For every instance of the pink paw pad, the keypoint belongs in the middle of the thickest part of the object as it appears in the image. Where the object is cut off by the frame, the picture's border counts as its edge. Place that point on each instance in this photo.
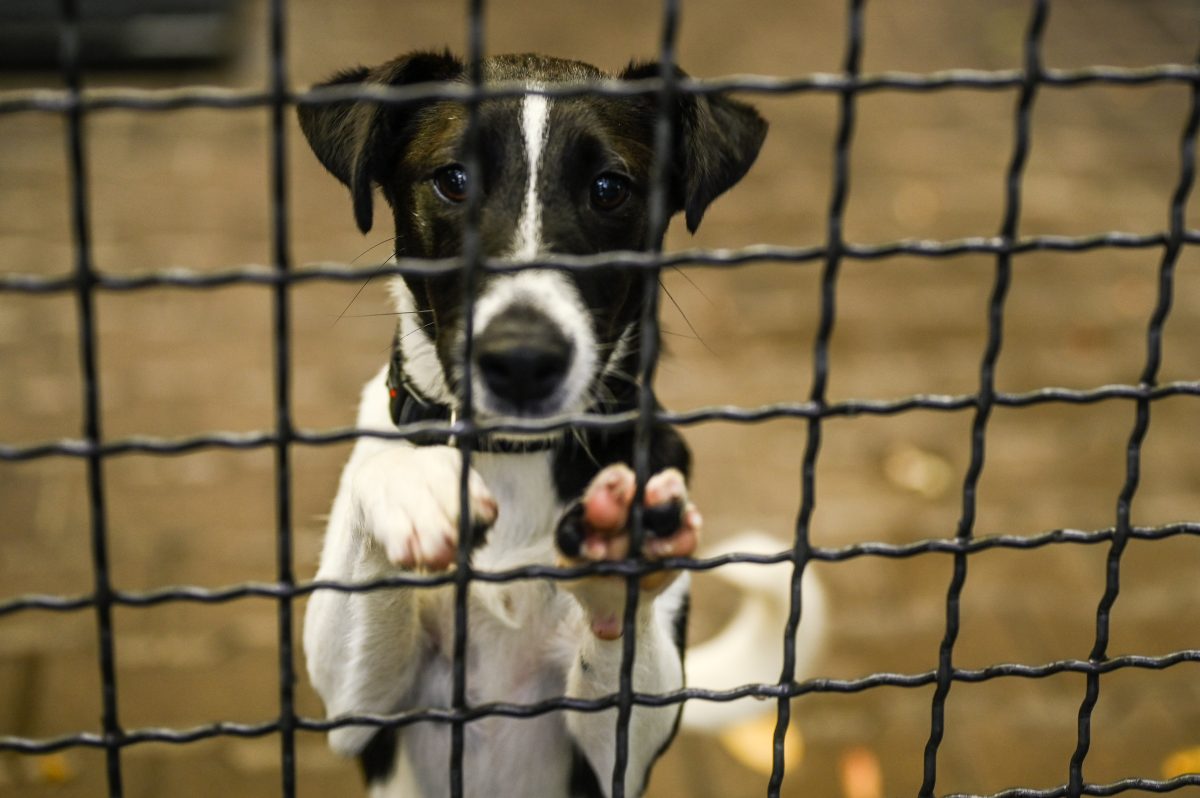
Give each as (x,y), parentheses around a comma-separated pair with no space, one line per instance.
(597,528)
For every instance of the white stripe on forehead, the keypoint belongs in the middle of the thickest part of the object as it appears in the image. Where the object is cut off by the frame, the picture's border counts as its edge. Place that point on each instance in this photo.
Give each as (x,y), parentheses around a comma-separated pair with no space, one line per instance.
(535,117)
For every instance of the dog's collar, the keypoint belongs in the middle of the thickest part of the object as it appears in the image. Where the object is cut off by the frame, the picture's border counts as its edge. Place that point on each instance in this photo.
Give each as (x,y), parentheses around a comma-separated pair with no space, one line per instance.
(409,406)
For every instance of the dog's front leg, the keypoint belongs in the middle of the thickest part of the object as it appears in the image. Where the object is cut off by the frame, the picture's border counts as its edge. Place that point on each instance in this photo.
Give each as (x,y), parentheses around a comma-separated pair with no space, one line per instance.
(598,531)
(396,511)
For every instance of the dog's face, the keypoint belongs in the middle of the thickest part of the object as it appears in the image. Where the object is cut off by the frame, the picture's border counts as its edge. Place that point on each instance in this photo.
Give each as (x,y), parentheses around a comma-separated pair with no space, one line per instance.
(557,176)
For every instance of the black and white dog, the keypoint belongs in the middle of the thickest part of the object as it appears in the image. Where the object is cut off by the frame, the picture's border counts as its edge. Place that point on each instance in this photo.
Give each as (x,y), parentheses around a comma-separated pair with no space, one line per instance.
(558,176)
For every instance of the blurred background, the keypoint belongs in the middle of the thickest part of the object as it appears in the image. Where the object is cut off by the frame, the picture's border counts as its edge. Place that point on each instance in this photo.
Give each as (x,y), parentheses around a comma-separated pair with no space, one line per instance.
(190,189)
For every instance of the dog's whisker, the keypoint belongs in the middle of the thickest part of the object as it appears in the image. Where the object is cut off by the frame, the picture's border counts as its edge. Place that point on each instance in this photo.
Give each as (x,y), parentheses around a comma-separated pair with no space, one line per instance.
(604,351)
(366,282)
(677,334)
(417,330)
(373,315)
(621,374)
(372,248)
(602,393)
(694,284)
(686,320)
(577,434)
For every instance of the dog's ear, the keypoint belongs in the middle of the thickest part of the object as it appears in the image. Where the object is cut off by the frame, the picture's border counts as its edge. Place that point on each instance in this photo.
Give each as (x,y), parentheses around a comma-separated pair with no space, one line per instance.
(717,140)
(357,140)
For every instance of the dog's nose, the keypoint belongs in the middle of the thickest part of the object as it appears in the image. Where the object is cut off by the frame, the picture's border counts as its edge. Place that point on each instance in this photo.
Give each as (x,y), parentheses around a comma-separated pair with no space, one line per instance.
(523,357)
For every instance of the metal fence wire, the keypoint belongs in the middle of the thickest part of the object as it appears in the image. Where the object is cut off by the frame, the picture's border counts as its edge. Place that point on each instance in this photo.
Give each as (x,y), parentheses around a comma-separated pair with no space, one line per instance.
(85,281)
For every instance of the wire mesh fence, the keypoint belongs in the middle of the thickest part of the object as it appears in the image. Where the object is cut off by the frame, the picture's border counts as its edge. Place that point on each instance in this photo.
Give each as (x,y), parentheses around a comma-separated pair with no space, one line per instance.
(848,87)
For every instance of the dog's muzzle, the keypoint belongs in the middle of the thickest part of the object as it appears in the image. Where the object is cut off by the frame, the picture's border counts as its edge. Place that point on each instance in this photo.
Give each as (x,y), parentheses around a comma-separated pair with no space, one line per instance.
(523,358)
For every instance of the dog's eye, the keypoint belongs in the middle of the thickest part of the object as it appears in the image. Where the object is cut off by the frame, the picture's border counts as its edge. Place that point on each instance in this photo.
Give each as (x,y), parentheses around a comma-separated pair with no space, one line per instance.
(451,183)
(609,191)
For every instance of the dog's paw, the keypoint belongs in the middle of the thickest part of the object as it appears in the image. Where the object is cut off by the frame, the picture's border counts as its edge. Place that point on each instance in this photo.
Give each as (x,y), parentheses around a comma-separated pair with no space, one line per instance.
(408,499)
(596,528)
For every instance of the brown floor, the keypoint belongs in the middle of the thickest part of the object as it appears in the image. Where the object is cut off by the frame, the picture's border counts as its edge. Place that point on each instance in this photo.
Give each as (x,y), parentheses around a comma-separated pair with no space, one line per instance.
(190,189)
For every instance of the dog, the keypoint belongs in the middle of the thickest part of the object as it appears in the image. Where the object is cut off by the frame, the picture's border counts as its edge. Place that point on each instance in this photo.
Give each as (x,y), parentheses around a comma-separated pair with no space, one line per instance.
(559,175)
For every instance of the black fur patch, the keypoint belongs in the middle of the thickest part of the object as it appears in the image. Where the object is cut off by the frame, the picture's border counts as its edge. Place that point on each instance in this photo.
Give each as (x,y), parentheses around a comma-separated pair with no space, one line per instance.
(679,625)
(378,759)
(584,783)
(576,463)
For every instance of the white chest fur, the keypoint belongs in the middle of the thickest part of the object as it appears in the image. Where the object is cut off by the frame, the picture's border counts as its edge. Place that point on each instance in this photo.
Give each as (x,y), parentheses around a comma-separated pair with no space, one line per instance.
(519,650)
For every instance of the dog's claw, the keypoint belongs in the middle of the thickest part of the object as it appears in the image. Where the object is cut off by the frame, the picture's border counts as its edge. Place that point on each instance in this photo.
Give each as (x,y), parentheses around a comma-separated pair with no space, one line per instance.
(663,520)
(570,532)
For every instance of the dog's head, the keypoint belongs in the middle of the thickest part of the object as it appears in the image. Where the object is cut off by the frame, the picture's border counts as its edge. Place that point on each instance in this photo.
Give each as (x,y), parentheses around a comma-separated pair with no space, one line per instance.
(558,176)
